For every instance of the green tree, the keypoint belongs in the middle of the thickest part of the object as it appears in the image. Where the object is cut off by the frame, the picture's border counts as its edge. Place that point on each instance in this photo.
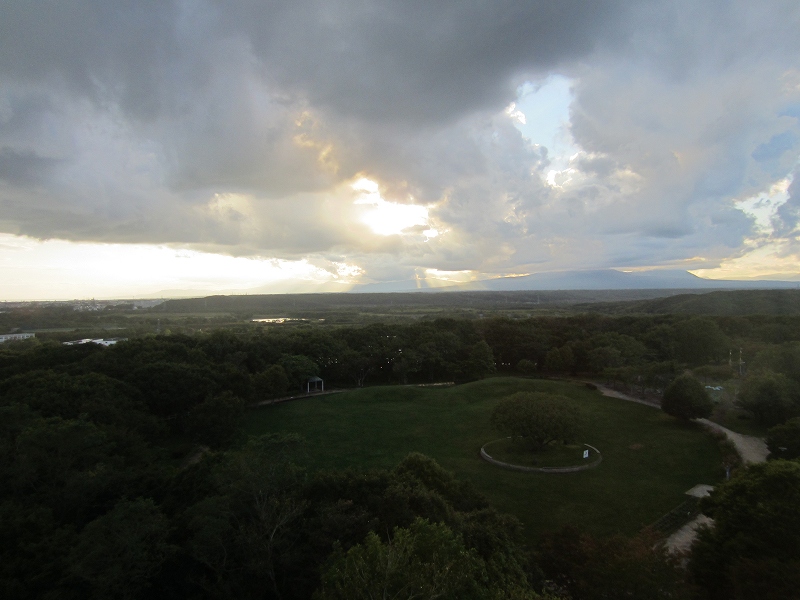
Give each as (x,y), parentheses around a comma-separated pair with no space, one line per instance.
(216,420)
(408,363)
(686,398)
(559,360)
(118,554)
(479,363)
(33,551)
(699,340)
(772,398)
(65,464)
(603,358)
(98,398)
(783,440)
(298,369)
(537,419)
(526,367)
(425,560)
(171,389)
(755,540)
(243,531)
(270,383)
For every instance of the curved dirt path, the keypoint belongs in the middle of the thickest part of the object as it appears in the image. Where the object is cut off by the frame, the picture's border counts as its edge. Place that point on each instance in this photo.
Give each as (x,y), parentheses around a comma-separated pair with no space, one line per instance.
(611,393)
(681,540)
(750,448)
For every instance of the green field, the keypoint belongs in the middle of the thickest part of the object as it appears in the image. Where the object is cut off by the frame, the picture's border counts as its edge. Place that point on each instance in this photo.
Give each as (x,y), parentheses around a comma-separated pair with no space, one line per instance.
(649,459)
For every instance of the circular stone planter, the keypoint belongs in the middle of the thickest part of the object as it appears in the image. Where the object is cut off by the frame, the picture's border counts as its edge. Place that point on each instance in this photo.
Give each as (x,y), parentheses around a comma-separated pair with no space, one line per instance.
(573,469)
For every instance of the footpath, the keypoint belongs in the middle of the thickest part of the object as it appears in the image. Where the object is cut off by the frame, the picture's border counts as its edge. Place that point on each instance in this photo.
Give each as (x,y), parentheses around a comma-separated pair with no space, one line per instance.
(751,449)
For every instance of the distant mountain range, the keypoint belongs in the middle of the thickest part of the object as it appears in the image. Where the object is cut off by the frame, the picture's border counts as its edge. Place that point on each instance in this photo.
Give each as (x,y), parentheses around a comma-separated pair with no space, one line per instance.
(527,302)
(607,279)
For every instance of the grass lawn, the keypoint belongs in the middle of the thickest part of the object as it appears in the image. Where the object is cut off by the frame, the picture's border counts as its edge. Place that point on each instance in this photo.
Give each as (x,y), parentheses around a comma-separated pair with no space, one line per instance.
(649,459)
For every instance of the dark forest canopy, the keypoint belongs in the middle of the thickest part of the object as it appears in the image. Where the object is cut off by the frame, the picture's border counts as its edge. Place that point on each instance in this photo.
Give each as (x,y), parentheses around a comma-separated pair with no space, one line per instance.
(125,472)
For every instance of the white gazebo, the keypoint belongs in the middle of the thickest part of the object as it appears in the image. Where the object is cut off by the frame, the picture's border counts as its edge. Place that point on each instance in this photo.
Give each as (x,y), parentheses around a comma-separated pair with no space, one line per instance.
(317,382)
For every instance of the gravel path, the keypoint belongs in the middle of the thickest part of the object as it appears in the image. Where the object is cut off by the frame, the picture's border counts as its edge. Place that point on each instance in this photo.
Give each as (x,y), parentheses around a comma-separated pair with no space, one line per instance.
(611,393)
(751,449)
(681,540)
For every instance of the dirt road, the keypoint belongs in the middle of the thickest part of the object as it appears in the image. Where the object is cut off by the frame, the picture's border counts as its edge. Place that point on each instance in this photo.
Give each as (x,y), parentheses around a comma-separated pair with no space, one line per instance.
(751,449)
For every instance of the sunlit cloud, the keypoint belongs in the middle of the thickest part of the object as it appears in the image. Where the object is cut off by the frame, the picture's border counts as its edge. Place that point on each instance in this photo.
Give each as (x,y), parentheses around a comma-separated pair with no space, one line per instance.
(389,218)
(367,143)
(515,114)
(771,260)
(764,207)
(450,276)
(60,270)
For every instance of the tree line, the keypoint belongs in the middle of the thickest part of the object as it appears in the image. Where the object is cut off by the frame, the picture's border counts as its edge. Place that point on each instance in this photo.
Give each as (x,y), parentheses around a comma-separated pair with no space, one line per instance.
(125,473)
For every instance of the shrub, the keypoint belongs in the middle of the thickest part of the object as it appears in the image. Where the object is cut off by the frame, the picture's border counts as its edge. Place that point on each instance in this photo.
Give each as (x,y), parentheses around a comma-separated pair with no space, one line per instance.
(783,441)
(686,398)
(770,397)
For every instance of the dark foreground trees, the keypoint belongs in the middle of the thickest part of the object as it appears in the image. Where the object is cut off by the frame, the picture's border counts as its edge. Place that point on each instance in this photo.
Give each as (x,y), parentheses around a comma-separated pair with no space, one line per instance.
(424,560)
(783,441)
(772,398)
(686,398)
(538,419)
(587,567)
(753,549)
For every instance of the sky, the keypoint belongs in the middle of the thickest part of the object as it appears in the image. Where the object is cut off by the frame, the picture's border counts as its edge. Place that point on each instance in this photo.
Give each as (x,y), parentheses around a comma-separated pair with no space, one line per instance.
(158,147)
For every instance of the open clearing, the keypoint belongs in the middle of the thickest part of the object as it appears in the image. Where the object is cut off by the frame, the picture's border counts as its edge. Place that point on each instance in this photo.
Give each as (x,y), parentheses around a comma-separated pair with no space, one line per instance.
(649,459)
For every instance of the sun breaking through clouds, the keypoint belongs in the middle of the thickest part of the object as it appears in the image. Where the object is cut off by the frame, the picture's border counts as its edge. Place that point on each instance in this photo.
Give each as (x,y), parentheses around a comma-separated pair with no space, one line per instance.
(296,146)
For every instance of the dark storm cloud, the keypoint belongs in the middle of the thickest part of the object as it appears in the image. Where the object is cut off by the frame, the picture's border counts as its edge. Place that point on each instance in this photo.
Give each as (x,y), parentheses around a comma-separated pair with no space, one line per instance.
(237,125)
(24,168)
(419,60)
(383,60)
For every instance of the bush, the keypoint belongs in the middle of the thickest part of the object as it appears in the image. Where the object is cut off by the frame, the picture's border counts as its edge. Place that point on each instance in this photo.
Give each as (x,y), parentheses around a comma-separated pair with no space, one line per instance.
(686,398)
(770,397)
(783,441)
(526,367)
(216,420)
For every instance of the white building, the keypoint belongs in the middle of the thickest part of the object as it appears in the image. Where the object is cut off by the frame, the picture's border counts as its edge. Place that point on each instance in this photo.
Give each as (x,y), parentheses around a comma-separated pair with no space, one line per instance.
(99,341)
(7,337)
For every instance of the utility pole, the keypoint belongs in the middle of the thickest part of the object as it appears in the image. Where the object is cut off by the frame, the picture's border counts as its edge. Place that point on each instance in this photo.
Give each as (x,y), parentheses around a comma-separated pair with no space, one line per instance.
(741,363)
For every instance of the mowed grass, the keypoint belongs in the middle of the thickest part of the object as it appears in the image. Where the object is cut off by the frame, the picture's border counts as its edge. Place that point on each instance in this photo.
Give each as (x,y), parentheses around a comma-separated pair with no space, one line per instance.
(649,459)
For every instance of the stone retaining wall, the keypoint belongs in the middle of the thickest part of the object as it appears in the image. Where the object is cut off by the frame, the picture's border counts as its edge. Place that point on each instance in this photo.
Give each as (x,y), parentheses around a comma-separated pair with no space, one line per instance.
(485,456)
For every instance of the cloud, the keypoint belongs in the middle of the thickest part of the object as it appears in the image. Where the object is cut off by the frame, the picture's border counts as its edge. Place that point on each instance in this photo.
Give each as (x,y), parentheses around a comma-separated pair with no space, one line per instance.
(240,129)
